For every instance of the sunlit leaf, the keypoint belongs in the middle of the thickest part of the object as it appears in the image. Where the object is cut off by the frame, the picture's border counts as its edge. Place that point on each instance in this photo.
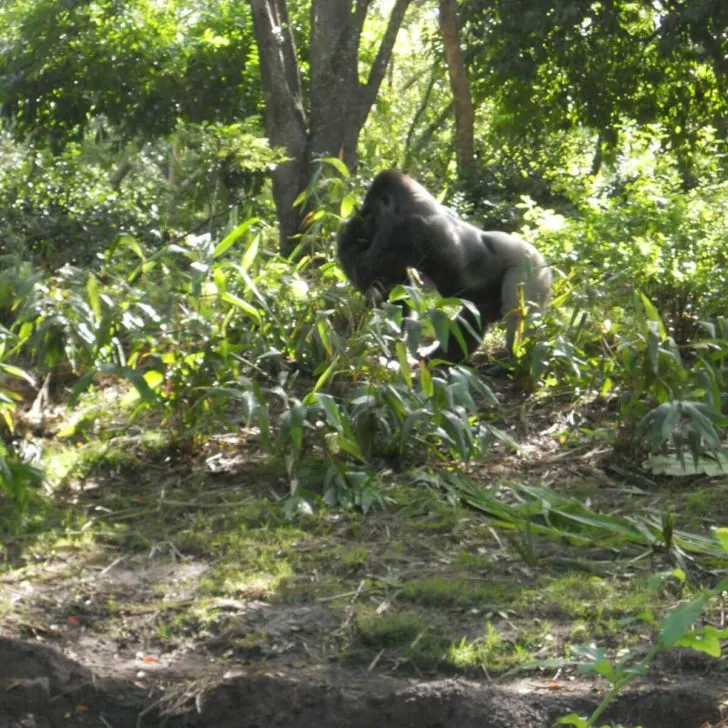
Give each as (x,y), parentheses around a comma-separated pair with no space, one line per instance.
(722,535)
(243,306)
(404,367)
(229,240)
(707,640)
(338,165)
(251,253)
(326,375)
(92,290)
(154,378)
(574,720)
(426,379)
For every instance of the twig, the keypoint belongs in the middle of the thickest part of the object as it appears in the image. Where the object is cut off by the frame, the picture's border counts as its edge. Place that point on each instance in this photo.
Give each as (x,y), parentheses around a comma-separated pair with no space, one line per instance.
(112,565)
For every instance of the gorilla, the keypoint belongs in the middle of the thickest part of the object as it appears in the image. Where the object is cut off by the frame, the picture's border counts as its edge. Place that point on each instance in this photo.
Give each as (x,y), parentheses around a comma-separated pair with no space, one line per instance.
(401,225)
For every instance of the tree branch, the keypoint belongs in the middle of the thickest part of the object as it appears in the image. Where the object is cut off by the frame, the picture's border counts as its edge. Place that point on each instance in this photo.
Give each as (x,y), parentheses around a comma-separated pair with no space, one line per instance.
(384,54)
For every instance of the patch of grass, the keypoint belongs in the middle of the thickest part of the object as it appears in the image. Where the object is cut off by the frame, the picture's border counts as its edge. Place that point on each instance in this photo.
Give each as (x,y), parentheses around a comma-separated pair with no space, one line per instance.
(260,553)
(495,653)
(472,561)
(406,638)
(705,503)
(193,618)
(353,557)
(308,586)
(464,592)
(591,598)
(400,629)
(418,639)
(472,653)
(128,456)
(246,583)
(250,564)
(613,631)
(426,510)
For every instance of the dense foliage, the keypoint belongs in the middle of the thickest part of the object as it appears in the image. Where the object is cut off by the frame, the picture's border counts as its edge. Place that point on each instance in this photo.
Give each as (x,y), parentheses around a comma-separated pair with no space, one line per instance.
(124,69)
(558,65)
(138,253)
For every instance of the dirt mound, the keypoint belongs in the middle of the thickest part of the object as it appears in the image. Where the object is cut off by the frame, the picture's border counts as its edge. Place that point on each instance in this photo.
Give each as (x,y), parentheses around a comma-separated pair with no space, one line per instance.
(40,688)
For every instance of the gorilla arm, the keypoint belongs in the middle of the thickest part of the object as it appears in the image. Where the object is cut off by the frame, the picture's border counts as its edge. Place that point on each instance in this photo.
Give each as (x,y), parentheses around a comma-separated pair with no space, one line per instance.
(373,258)
(354,238)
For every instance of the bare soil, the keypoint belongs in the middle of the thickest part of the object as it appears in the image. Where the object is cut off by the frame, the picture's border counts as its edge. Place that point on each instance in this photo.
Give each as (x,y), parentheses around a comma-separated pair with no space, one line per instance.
(106,633)
(41,688)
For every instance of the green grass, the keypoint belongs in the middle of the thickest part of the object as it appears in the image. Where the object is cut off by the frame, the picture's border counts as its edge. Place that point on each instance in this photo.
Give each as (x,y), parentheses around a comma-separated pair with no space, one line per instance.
(457,592)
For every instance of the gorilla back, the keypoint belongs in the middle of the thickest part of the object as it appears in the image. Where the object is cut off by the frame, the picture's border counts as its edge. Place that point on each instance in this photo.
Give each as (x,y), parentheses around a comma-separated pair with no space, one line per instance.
(401,225)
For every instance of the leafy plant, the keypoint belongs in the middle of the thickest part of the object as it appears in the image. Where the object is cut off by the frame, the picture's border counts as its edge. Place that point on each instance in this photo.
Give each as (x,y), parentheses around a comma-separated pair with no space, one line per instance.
(678,628)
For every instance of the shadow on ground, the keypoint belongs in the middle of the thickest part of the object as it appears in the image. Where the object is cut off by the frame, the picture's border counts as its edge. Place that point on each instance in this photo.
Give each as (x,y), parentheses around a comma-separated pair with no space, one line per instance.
(40,688)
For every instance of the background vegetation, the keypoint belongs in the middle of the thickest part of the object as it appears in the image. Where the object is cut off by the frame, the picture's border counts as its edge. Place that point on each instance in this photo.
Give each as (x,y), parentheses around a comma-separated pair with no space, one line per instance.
(156,296)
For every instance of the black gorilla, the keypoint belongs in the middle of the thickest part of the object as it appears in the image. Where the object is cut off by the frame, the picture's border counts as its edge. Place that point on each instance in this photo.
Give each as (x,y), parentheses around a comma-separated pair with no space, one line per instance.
(401,225)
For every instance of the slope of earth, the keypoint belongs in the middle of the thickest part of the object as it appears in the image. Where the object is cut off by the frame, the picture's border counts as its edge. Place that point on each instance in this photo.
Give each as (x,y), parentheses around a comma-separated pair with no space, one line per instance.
(171,586)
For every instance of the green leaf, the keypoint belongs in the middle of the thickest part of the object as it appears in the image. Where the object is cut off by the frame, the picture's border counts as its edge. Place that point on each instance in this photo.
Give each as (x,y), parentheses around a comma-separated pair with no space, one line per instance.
(348,205)
(326,375)
(220,279)
(323,327)
(411,420)
(442,325)
(653,315)
(332,442)
(338,165)
(426,380)
(573,719)
(404,367)
(127,241)
(154,378)
(136,377)
(707,640)
(331,408)
(294,419)
(244,306)
(459,431)
(229,240)
(722,535)
(92,291)
(594,659)
(352,448)
(17,372)
(665,419)
(679,619)
(250,254)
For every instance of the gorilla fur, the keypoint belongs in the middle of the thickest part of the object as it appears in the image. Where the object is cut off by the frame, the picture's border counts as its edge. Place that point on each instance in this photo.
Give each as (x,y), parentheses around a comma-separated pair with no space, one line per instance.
(401,225)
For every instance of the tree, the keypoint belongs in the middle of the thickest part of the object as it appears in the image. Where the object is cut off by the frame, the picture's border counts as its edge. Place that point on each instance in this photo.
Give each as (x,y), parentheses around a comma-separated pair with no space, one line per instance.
(464,114)
(325,117)
(553,66)
(129,70)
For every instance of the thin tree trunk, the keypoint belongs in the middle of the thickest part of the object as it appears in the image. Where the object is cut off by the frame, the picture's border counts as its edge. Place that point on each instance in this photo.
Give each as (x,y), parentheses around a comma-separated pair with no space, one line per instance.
(464,113)
(285,118)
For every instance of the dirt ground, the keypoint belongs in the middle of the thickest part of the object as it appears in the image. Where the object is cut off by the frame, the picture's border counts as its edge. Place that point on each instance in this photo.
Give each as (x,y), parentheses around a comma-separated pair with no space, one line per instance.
(43,689)
(137,615)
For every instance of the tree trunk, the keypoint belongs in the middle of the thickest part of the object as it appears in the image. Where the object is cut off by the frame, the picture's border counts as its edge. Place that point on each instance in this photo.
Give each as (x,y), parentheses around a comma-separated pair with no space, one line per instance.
(339,103)
(285,118)
(464,114)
